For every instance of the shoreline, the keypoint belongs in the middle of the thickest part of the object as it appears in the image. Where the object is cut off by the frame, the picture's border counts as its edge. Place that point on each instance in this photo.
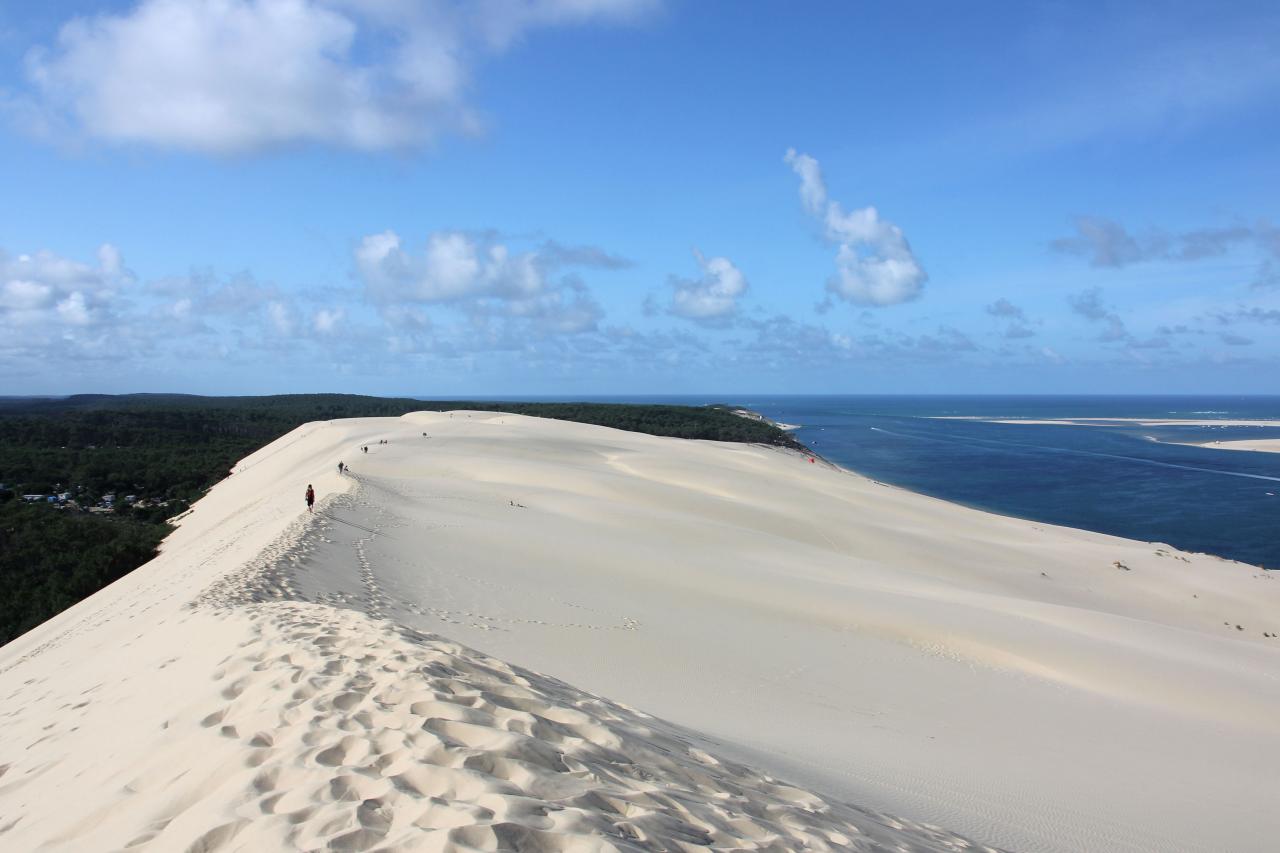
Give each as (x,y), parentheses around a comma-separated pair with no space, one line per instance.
(1107,421)
(753,415)
(1256,445)
(877,646)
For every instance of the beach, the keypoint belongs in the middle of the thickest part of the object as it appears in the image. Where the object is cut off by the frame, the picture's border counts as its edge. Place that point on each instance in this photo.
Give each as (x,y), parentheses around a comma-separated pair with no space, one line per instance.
(1112,421)
(1258,445)
(501,630)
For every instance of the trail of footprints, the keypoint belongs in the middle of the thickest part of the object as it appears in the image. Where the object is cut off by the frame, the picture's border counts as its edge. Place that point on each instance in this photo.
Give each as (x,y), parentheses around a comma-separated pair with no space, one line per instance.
(273,576)
(360,735)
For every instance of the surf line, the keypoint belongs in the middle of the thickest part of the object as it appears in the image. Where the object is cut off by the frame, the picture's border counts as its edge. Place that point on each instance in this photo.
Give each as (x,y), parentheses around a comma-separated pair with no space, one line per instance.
(1027,448)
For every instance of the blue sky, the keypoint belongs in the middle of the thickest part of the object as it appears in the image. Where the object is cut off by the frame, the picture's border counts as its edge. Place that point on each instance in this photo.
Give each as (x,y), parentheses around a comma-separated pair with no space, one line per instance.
(635,196)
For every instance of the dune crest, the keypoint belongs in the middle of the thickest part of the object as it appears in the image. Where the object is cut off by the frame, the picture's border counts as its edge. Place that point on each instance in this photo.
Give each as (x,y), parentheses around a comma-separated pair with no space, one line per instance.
(200,704)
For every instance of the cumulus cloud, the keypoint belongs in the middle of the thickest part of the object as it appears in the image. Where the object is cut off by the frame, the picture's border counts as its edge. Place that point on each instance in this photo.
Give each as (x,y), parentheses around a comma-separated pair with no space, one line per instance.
(282,318)
(712,298)
(474,274)
(231,76)
(326,320)
(53,307)
(874,263)
(46,288)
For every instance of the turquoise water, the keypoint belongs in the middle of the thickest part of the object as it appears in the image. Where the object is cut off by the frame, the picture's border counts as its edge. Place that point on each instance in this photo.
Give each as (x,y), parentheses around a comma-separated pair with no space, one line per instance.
(1120,479)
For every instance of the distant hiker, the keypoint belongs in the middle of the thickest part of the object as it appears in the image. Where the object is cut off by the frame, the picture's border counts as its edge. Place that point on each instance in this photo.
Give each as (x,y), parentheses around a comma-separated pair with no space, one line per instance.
(311,497)
(341,467)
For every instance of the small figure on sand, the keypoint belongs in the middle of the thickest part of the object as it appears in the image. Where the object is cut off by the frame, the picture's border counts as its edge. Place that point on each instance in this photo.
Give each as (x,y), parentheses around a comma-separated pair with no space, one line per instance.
(311,497)
(341,467)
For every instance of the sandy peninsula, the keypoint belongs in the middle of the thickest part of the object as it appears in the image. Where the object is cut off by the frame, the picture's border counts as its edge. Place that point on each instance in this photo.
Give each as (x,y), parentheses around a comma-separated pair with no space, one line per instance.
(1109,421)
(1258,445)
(501,632)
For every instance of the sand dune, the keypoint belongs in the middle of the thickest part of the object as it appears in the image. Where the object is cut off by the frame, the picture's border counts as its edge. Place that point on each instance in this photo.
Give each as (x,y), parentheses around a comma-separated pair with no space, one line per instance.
(200,704)
(278,680)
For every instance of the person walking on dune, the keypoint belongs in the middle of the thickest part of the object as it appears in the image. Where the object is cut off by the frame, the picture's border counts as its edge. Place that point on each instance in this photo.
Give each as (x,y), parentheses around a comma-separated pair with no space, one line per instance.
(311,497)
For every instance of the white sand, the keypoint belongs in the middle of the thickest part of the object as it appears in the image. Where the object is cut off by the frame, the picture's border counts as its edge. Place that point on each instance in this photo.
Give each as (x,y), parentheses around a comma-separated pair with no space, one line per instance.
(1105,421)
(1004,679)
(1260,445)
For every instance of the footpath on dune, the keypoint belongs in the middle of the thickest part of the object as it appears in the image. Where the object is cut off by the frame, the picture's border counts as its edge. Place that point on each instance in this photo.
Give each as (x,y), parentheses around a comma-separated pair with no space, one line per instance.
(218,699)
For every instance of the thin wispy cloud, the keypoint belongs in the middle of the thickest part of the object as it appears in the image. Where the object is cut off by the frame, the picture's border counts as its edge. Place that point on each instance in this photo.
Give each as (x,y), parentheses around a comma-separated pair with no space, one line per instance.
(1107,243)
(1016,322)
(1139,83)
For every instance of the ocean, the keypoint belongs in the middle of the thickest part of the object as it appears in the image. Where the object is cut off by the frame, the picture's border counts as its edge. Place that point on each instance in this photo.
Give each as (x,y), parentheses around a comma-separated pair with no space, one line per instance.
(1122,479)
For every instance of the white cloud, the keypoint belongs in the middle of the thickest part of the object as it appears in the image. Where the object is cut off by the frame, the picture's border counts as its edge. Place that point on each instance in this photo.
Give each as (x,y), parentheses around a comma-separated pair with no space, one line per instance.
(476,275)
(281,318)
(326,320)
(874,262)
(231,76)
(74,310)
(712,298)
(20,295)
(52,307)
(46,288)
(813,190)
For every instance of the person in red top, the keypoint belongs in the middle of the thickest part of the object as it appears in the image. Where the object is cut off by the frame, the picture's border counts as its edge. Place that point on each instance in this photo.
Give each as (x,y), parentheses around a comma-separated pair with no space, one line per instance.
(311,497)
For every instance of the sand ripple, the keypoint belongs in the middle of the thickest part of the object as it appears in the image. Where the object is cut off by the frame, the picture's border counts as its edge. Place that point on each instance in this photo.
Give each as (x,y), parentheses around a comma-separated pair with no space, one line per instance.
(361,735)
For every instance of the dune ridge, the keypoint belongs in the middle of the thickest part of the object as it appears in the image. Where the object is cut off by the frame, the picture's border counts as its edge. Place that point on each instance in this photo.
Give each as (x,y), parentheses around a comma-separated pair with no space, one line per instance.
(200,704)
(1027,686)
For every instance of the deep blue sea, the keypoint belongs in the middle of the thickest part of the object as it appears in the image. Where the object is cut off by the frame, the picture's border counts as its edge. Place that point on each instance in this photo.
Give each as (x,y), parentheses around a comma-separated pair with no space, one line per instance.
(1122,479)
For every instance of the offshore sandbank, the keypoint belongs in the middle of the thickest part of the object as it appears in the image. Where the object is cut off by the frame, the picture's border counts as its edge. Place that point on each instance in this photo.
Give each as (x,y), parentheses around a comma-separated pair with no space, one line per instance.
(1258,445)
(276,679)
